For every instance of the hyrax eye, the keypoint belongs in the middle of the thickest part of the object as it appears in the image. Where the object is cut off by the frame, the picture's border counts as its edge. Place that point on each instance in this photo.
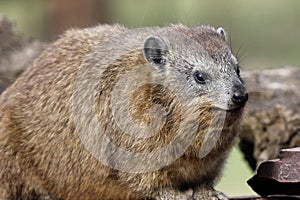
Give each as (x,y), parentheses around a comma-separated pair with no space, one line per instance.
(201,78)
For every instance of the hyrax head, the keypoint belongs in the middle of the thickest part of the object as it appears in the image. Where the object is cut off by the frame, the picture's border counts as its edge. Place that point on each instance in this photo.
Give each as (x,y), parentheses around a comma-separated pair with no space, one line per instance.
(198,62)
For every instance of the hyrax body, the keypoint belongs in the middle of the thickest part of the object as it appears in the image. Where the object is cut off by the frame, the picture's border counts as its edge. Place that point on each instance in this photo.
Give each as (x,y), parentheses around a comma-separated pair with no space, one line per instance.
(46,151)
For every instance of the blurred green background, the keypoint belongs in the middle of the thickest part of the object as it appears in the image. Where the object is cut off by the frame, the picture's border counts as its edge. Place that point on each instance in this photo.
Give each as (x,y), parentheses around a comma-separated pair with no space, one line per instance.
(265,33)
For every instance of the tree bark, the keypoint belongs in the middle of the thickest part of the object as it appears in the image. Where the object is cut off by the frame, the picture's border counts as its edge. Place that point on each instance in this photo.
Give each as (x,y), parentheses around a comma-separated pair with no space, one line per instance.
(272,115)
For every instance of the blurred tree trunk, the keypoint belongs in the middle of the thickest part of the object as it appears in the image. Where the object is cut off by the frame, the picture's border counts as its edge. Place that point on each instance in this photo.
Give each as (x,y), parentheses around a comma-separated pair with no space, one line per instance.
(16,53)
(64,14)
(272,115)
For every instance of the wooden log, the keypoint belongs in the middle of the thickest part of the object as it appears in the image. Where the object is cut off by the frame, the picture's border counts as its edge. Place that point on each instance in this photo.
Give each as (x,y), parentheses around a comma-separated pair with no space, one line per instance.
(272,116)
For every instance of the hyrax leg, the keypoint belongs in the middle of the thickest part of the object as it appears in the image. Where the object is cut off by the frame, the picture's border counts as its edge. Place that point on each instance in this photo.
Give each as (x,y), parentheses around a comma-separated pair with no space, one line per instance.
(166,194)
(202,193)
(16,185)
(208,193)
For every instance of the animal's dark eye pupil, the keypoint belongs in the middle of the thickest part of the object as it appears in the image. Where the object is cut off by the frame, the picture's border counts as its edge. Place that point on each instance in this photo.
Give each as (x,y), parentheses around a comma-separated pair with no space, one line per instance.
(200,78)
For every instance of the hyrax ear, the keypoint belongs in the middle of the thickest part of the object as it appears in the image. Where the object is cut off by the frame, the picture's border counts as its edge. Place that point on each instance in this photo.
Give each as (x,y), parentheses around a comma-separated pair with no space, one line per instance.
(222,32)
(155,51)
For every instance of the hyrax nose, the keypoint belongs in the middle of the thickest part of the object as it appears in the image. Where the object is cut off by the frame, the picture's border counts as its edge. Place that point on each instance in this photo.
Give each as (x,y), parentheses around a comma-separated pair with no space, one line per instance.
(240,96)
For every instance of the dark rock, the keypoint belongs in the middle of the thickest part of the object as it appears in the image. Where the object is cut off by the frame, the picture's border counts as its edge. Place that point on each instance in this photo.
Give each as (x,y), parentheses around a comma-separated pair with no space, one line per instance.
(279,177)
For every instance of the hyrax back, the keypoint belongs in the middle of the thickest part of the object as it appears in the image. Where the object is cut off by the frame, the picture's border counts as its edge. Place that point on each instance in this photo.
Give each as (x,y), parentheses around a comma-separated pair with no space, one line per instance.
(180,83)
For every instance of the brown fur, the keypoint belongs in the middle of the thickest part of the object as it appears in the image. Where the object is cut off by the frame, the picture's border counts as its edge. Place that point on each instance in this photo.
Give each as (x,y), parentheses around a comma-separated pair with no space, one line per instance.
(41,154)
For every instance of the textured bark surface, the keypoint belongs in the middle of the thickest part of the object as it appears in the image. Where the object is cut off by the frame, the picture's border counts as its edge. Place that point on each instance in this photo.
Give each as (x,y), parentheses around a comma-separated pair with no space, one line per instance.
(272,118)
(16,51)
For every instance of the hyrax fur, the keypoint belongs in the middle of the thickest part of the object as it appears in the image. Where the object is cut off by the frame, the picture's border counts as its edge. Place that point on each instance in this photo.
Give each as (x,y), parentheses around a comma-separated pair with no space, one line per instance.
(189,72)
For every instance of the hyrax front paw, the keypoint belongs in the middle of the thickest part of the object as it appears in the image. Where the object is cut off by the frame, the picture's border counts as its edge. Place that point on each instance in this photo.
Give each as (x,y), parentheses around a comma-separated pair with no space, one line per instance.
(171,194)
(207,193)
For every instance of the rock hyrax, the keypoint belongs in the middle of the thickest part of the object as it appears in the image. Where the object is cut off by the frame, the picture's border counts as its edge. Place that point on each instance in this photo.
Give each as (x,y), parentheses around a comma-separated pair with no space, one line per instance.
(167,102)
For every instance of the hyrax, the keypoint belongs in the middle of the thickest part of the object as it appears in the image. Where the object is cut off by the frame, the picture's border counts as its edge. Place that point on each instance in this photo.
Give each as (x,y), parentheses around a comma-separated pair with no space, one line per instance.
(113,113)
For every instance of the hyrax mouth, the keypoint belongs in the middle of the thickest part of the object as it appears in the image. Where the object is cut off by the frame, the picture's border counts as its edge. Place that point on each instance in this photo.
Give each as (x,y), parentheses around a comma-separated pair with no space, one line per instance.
(237,109)
(237,104)
(228,110)
(231,115)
